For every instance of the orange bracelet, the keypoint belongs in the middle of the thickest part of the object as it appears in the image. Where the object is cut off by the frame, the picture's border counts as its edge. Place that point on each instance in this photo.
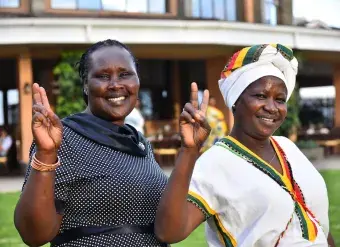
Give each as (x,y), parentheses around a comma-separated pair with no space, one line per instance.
(38,165)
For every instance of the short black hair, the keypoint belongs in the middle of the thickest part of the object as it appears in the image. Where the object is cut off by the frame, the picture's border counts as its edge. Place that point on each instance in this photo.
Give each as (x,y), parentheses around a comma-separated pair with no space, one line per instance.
(83,64)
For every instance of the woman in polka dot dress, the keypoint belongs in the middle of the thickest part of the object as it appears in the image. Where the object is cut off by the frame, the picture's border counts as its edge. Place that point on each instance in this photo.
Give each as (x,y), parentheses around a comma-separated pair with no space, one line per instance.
(93,181)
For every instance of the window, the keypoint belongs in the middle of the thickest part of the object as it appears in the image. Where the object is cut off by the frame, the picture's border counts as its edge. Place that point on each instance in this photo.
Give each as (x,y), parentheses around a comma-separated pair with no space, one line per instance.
(270,12)
(211,9)
(137,6)
(9,107)
(191,70)
(156,88)
(13,106)
(9,3)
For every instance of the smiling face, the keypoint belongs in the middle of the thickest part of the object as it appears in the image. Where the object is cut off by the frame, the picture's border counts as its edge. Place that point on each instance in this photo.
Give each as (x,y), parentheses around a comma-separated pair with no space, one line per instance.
(261,108)
(112,84)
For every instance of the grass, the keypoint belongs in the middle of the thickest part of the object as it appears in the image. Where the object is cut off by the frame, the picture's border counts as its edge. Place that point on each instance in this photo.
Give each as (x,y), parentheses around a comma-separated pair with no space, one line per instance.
(196,239)
(332,179)
(10,238)
(8,235)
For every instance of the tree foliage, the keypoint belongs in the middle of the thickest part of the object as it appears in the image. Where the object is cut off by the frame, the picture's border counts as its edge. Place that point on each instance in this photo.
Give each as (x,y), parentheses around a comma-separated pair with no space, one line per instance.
(70,98)
(292,121)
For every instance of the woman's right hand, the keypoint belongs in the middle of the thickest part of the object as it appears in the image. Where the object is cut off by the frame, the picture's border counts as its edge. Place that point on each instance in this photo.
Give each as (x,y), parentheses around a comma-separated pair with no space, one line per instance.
(47,128)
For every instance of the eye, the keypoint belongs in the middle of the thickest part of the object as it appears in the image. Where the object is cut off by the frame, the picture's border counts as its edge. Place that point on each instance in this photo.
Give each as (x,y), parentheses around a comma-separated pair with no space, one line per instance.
(260,96)
(104,76)
(281,100)
(125,74)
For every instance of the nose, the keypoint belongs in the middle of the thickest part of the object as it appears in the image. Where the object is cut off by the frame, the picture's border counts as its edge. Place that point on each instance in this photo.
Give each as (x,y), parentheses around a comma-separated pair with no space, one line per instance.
(270,106)
(115,84)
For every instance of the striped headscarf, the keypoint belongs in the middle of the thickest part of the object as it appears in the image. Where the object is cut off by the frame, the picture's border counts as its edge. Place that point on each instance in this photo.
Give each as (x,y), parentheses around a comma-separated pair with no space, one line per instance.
(253,63)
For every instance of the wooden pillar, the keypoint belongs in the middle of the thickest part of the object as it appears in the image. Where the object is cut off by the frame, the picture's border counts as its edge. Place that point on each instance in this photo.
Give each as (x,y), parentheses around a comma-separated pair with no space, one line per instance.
(285,12)
(25,81)
(258,11)
(249,11)
(336,82)
(214,67)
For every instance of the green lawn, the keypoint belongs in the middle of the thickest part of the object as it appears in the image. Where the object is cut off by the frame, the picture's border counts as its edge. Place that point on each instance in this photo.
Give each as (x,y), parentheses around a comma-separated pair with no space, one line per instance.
(10,238)
(332,179)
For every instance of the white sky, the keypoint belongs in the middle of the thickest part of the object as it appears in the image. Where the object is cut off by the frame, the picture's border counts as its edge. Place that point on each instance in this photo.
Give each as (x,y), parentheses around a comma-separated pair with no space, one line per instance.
(317,92)
(324,10)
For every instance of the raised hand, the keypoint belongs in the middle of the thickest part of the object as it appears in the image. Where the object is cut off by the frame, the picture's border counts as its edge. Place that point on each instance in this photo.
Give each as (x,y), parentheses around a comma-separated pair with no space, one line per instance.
(194,128)
(46,126)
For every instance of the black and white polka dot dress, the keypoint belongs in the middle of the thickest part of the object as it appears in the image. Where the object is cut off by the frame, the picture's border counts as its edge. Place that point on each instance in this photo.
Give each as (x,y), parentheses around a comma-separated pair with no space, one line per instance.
(99,186)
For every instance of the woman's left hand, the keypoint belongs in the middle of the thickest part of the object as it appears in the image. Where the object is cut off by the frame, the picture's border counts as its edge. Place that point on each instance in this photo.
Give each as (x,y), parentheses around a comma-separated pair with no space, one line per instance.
(194,127)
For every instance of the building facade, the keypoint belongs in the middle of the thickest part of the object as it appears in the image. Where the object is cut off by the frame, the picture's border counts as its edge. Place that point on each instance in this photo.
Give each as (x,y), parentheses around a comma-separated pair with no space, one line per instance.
(175,41)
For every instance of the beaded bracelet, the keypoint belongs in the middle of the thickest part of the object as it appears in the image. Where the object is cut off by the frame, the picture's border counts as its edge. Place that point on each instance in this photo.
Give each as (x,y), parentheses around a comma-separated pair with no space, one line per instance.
(38,165)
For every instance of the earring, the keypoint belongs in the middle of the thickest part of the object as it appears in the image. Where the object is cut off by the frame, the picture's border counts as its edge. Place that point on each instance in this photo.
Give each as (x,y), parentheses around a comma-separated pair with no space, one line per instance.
(85,91)
(233,108)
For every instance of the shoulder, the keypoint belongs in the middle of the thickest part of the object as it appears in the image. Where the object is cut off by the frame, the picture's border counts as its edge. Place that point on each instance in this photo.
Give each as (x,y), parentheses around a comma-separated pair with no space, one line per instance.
(292,151)
(288,146)
(214,158)
(213,153)
(70,136)
(282,139)
(285,142)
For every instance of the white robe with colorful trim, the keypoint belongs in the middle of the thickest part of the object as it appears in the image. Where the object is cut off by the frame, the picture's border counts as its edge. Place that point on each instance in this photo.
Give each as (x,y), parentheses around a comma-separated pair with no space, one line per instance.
(246,207)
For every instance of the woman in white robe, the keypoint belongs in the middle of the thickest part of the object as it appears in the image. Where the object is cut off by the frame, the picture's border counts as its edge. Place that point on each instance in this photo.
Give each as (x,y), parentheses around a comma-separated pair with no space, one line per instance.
(251,188)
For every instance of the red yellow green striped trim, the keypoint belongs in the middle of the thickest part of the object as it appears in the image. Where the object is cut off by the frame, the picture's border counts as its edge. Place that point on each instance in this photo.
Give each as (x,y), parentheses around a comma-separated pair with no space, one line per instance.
(240,58)
(286,178)
(250,154)
(228,239)
(309,228)
(201,203)
(252,54)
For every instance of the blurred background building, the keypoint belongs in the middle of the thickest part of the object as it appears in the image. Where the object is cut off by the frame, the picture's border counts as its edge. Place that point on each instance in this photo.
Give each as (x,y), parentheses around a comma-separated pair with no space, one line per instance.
(176,42)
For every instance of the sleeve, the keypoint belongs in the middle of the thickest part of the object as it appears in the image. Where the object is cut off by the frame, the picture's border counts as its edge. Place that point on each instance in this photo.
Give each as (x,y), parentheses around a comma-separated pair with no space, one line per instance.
(64,175)
(202,188)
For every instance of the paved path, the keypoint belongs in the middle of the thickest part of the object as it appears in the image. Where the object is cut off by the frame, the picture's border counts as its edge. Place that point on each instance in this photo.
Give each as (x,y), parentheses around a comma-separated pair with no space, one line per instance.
(331,163)
(12,184)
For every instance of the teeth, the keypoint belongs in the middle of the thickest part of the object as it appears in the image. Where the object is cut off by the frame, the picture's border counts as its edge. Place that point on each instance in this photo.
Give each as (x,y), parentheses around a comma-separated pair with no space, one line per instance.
(267,119)
(117,99)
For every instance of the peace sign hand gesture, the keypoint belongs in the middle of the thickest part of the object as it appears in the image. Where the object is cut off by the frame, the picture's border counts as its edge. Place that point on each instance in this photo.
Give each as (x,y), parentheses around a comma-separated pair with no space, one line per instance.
(46,126)
(194,128)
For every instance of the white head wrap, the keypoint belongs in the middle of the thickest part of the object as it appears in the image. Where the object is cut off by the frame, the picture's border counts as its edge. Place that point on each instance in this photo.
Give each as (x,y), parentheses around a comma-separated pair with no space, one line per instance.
(268,60)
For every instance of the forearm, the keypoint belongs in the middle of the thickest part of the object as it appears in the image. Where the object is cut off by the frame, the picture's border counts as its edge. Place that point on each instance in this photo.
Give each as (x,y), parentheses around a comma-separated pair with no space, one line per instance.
(35,214)
(171,217)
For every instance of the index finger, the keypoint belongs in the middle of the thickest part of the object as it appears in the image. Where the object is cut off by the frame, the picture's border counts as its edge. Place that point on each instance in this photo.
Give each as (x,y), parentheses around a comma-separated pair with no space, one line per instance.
(205,102)
(194,95)
(36,94)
